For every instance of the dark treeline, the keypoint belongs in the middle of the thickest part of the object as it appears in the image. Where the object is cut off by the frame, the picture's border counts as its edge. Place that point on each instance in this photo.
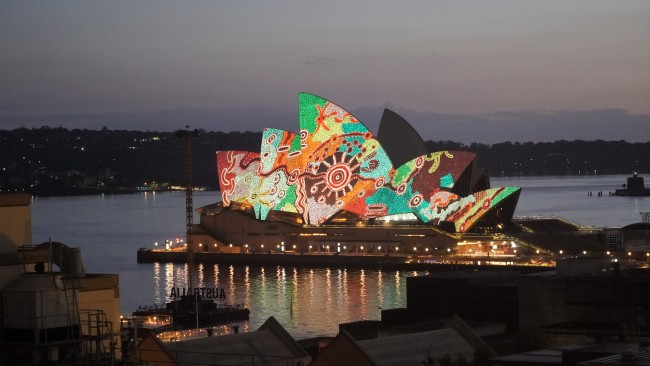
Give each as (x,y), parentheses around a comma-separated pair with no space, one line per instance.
(51,160)
(562,157)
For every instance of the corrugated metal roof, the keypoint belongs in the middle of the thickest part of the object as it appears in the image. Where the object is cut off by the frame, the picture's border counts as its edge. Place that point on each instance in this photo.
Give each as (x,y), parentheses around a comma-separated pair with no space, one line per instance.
(634,358)
(268,345)
(416,348)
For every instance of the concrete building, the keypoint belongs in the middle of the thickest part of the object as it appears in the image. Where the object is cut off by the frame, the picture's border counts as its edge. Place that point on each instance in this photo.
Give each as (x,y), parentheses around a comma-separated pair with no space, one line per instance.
(636,240)
(52,312)
(601,354)
(480,296)
(596,297)
(15,231)
(633,239)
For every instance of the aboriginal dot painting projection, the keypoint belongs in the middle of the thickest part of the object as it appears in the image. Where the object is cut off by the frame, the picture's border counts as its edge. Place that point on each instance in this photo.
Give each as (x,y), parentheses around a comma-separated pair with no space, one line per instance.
(238,176)
(335,163)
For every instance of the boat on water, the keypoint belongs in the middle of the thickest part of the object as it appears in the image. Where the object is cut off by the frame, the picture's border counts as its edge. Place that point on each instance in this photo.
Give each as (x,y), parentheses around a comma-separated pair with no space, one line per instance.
(634,187)
(191,311)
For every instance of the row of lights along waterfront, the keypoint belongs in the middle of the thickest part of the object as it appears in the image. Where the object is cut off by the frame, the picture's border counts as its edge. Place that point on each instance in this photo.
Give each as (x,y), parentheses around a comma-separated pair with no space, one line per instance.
(461,248)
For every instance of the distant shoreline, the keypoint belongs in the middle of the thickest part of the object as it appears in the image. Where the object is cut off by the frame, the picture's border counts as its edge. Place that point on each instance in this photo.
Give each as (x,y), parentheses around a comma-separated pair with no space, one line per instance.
(89,191)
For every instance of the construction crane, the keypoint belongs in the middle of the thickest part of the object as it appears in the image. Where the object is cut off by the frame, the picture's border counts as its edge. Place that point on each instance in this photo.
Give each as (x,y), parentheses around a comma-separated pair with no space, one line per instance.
(188,138)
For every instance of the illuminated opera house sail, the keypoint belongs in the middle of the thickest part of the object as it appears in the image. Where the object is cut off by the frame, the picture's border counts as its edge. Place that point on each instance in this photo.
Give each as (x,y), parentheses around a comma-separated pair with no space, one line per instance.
(334,177)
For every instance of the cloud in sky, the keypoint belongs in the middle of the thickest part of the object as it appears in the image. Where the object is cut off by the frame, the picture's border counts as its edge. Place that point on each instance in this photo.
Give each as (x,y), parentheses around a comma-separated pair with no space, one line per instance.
(123,57)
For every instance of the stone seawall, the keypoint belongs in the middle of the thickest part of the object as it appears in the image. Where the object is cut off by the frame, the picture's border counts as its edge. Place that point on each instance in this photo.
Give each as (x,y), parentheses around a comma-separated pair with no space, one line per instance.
(328,260)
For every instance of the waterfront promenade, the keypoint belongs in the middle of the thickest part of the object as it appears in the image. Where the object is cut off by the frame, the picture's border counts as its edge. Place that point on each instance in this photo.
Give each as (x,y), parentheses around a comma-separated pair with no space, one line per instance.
(523,264)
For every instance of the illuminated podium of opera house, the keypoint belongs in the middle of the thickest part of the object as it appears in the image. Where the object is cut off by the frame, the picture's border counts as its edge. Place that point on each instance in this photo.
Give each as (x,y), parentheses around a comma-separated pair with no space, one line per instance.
(334,187)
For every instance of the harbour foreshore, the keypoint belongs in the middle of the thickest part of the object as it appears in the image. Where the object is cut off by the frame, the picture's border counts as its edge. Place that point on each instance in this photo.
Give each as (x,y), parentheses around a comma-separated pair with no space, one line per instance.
(521,265)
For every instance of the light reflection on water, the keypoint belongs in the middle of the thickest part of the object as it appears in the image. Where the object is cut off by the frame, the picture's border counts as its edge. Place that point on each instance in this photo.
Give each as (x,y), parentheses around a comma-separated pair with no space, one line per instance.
(308,302)
(109,229)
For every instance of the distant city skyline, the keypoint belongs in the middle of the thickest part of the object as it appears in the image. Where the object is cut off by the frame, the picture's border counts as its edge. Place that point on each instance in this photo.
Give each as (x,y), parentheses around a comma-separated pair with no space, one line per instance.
(561,70)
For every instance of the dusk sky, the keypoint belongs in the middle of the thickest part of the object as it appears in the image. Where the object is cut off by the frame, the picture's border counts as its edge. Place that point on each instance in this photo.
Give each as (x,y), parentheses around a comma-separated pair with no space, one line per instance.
(105,62)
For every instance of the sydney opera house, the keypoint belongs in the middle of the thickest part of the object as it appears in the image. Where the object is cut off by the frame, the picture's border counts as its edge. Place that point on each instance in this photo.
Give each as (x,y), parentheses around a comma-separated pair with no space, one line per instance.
(335,187)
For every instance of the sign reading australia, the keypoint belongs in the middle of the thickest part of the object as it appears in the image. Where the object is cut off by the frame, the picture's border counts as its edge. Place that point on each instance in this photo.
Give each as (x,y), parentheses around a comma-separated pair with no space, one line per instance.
(216,293)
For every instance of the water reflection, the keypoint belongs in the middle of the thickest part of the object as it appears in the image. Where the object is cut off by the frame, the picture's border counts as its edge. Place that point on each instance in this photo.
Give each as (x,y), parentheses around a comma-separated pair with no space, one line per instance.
(308,302)
(362,295)
(169,279)
(200,271)
(380,293)
(247,284)
(231,284)
(156,282)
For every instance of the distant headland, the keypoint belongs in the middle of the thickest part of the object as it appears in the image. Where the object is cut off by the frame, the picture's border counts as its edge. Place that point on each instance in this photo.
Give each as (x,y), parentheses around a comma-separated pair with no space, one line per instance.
(58,161)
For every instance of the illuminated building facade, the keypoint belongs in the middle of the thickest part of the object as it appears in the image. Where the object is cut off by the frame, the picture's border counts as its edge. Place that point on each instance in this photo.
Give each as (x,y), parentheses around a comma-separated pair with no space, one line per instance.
(335,170)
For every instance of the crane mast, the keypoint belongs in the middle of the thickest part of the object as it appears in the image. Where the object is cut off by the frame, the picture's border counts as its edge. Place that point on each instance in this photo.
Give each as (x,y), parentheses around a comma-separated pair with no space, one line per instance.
(188,137)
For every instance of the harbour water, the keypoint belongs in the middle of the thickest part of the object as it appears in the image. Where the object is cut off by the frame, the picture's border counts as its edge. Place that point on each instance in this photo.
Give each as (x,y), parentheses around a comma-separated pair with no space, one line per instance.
(308,302)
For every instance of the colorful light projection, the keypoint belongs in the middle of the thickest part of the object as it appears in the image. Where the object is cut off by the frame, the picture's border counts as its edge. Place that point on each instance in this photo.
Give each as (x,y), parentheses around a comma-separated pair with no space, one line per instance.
(336,164)
(239,180)
(345,163)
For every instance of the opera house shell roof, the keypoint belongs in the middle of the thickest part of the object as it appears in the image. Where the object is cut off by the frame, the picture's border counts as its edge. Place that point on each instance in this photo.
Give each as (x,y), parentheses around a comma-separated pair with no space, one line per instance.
(334,165)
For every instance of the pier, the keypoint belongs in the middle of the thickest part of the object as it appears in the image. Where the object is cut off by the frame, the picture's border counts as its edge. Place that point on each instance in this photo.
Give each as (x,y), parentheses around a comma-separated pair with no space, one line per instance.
(524,264)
